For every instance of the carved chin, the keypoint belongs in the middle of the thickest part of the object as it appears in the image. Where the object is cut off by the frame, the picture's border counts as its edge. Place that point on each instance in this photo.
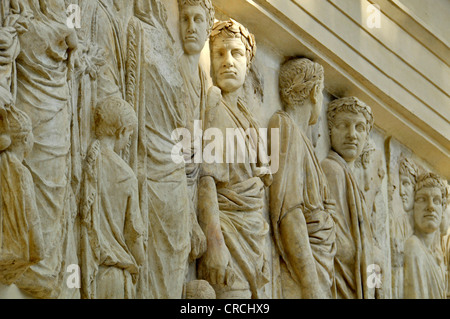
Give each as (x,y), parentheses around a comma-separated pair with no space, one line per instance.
(191,47)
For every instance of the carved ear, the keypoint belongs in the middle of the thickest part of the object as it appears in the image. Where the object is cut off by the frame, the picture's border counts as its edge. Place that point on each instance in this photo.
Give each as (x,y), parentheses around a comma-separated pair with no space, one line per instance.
(315,93)
(119,133)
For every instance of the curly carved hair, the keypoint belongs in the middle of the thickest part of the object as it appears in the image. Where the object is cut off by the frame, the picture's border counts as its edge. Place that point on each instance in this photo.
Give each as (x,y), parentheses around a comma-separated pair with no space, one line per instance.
(233,29)
(433,180)
(364,159)
(297,79)
(349,104)
(408,168)
(206,5)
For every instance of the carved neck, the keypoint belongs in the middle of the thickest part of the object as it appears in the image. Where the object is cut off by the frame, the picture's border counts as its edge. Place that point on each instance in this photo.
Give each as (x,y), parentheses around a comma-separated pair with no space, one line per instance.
(231,98)
(108,142)
(427,239)
(191,62)
(301,114)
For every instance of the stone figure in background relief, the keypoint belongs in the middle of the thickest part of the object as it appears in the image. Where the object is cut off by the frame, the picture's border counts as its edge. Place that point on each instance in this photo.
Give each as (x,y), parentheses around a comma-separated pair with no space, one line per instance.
(445,238)
(369,172)
(402,223)
(196,21)
(21,243)
(101,59)
(43,94)
(301,206)
(350,122)
(112,243)
(424,268)
(9,49)
(231,193)
(155,90)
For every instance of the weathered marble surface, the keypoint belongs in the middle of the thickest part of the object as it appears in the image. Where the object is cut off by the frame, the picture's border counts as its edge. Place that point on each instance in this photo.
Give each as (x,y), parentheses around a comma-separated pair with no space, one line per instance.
(92,175)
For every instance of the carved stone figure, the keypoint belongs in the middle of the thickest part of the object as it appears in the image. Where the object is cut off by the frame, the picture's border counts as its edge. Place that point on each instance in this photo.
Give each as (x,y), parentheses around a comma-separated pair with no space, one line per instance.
(102,59)
(408,172)
(369,172)
(350,122)
(43,94)
(20,228)
(154,89)
(112,243)
(424,269)
(445,235)
(301,206)
(402,222)
(9,49)
(199,289)
(196,21)
(232,194)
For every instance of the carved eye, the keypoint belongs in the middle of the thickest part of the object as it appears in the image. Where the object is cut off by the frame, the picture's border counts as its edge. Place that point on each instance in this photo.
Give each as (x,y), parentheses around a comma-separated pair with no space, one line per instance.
(420,199)
(437,201)
(341,126)
(237,53)
(360,128)
(199,19)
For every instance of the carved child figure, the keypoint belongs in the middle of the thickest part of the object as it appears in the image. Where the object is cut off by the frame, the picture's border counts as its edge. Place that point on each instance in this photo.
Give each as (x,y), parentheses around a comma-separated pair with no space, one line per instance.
(424,269)
(301,206)
(20,229)
(112,250)
(232,194)
(350,122)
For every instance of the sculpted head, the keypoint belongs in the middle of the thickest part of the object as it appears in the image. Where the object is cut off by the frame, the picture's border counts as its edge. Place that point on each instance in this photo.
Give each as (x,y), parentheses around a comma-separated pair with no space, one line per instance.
(371,165)
(196,22)
(115,118)
(301,82)
(408,173)
(233,49)
(350,122)
(429,203)
(16,132)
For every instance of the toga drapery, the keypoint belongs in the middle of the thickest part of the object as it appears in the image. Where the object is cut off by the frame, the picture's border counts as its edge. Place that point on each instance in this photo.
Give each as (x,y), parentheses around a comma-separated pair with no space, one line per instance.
(301,183)
(154,88)
(354,239)
(240,195)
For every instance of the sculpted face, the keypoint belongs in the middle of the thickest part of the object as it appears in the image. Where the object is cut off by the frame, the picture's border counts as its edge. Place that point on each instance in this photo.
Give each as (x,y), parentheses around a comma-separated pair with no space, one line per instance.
(349,134)
(406,192)
(194,26)
(123,139)
(428,209)
(229,63)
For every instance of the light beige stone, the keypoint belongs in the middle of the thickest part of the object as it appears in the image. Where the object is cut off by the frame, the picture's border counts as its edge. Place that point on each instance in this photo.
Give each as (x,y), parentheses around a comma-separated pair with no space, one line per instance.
(21,239)
(137,51)
(112,229)
(424,269)
(301,205)
(350,122)
(232,193)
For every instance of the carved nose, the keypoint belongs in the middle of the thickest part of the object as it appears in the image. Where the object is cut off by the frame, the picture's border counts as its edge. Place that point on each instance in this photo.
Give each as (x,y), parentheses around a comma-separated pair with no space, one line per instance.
(351,132)
(227,62)
(191,27)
